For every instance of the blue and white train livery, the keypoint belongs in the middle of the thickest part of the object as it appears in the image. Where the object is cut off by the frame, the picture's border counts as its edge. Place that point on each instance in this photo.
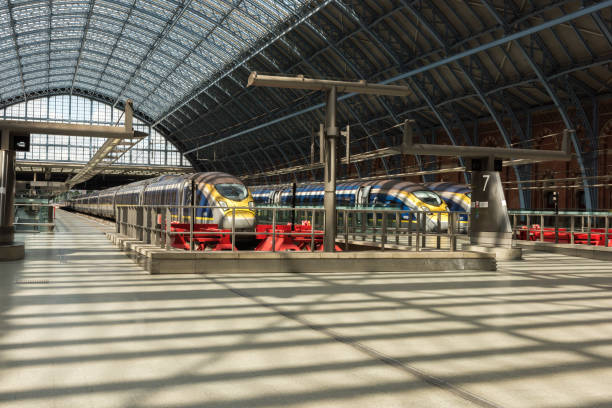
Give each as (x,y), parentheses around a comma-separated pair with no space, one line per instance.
(379,194)
(456,196)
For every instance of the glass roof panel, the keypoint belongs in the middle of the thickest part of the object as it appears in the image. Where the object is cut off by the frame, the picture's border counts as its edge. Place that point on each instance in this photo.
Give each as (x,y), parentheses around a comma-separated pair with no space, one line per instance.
(153,51)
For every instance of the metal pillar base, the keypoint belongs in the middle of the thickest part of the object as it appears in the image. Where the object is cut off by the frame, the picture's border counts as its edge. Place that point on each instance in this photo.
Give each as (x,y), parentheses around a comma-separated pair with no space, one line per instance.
(487,238)
(12,252)
(501,253)
(7,235)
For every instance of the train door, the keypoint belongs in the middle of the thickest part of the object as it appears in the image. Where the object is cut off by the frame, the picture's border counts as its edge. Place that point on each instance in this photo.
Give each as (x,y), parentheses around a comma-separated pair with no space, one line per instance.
(362,198)
(276,197)
(185,199)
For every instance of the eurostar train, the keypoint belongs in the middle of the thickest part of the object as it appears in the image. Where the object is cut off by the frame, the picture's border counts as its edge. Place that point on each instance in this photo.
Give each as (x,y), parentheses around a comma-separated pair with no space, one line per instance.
(458,198)
(379,194)
(199,189)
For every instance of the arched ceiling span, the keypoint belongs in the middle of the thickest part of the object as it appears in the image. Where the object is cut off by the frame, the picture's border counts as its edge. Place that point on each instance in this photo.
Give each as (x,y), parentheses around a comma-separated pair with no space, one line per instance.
(154,52)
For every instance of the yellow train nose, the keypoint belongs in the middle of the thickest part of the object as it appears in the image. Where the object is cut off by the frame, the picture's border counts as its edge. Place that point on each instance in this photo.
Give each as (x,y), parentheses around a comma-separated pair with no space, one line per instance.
(242,212)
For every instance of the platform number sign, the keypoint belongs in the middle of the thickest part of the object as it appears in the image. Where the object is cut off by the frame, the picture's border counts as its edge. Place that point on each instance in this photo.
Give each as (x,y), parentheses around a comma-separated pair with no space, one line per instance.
(486,177)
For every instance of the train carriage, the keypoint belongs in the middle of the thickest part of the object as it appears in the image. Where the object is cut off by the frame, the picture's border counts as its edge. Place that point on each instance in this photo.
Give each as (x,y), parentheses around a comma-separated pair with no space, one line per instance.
(214,189)
(380,194)
(456,196)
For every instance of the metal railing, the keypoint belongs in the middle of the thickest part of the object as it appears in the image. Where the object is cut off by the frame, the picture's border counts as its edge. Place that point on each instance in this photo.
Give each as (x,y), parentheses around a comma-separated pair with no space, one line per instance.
(570,227)
(406,230)
(34,217)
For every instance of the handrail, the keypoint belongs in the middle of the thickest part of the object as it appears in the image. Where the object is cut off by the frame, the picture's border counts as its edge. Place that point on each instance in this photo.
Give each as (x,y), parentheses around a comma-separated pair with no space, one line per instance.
(547,212)
(409,229)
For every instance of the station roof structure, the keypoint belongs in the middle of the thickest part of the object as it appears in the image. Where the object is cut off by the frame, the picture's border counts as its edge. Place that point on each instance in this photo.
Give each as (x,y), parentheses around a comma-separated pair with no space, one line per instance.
(185,65)
(71,168)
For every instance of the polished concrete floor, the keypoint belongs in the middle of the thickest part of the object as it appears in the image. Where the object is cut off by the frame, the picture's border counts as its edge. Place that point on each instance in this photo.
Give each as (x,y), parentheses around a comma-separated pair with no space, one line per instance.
(82,326)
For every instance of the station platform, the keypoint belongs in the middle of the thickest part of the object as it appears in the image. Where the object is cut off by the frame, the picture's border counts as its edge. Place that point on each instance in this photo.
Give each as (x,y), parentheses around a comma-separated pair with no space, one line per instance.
(81,325)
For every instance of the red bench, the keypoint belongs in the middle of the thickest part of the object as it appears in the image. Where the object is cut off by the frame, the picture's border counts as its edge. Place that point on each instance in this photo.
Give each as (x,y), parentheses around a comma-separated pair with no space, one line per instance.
(204,235)
(533,233)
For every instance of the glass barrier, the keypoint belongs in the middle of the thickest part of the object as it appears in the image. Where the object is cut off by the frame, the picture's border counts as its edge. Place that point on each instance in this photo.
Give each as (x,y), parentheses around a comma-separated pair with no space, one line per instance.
(34,217)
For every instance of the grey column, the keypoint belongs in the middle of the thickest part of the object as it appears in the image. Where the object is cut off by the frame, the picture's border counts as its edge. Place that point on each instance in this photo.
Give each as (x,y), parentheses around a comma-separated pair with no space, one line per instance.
(329,199)
(7,196)
(489,221)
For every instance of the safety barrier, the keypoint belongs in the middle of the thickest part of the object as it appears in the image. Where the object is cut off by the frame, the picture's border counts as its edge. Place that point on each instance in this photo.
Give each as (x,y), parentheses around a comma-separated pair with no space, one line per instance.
(33,216)
(293,229)
(569,227)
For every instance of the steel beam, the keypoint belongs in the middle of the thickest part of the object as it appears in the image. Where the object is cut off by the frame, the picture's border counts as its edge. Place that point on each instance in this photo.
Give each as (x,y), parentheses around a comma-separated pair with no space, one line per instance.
(82,47)
(16,45)
(300,82)
(32,166)
(69,129)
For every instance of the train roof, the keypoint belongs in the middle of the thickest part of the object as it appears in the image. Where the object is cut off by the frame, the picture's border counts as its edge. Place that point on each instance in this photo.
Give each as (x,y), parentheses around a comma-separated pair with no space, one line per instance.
(216,177)
(385,184)
(450,187)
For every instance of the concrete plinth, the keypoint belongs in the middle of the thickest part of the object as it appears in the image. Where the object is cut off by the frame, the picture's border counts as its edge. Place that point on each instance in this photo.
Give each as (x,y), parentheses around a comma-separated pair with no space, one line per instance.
(501,253)
(156,260)
(583,251)
(12,252)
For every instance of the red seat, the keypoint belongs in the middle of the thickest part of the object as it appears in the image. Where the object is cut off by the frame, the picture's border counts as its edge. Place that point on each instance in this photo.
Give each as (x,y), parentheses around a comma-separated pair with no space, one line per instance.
(181,241)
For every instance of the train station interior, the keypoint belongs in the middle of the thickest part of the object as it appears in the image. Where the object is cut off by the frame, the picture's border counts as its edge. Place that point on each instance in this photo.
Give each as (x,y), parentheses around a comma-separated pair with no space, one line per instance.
(305,203)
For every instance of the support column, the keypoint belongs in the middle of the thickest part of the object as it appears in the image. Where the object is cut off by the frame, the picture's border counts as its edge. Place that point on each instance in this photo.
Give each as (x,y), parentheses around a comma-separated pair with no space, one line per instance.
(9,250)
(7,196)
(490,228)
(329,199)
(490,224)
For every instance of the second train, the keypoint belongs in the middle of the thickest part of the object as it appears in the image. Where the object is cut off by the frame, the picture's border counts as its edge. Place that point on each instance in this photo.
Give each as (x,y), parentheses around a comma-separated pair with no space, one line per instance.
(379,194)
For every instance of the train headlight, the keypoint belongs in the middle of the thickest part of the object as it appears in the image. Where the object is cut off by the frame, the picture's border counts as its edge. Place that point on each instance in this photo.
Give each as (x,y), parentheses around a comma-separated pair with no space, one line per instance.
(222,204)
(251,205)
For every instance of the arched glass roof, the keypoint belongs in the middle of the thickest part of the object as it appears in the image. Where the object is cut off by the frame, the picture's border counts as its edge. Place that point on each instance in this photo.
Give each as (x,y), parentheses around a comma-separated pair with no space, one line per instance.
(154,52)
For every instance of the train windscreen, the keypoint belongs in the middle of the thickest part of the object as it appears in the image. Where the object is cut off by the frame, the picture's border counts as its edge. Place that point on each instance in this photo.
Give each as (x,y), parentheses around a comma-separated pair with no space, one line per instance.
(428,197)
(236,192)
